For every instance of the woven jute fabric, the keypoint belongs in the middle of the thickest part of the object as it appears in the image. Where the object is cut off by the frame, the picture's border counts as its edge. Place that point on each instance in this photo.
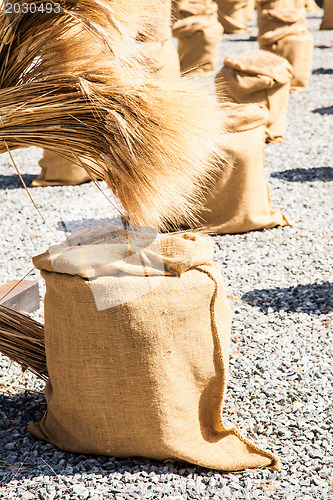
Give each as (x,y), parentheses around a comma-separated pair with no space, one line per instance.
(284,32)
(159,27)
(161,57)
(251,5)
(274,19)
(327,22)
(146,377)
(263,78)
(198,32)
(187,8)
(240,200)
(233,15)
(296,44)
(56,171)
(279,4)
(311,6)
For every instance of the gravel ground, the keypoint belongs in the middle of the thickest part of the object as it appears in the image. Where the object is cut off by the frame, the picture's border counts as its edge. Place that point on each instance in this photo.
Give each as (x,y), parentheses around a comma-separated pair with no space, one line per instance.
(280,390)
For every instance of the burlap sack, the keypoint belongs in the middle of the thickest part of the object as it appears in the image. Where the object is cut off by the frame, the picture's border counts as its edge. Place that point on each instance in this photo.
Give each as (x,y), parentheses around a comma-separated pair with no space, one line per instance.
(188,8)
(160,54)
(159,27)
(278,19)
(240,200)
(279,4)
(57,171)
(162,59)
(311,6)
(296,44)
(233,15)
(137,339)
(198,32)
(327,22)
(259,77)
(251,5)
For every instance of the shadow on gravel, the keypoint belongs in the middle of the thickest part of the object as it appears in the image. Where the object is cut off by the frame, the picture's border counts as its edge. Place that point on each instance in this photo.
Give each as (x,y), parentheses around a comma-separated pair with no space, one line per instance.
(323,47)
(235,38)
(24,458)
(323,71)
(324,111)
(13,181)
(324,174)
(311,299)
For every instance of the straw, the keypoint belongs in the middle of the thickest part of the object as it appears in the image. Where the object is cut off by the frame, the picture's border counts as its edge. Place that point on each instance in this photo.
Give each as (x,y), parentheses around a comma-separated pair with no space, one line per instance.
(87,96)
(22,340)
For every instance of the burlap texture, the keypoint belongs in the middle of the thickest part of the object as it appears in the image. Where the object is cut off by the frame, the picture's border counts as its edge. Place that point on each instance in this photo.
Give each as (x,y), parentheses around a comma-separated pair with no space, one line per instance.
(311,6)
(188,8)
(259,77)
(233,15)
(276,19)
(57,171)
(251,5)
(159,27)
(296,44)
(146,377)
(240,200)
(279,4)
(162,59)
(327,22)
(198,32)
(160,54)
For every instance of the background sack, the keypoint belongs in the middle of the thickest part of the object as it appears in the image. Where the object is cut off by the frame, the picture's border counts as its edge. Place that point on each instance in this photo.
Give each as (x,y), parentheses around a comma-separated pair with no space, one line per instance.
(327,22)
(198,32)
(259,77)
(274,19)
(296,44)
(233,15)
(240,200)
(279,4)
(56,171)
(145,377)
(160,54)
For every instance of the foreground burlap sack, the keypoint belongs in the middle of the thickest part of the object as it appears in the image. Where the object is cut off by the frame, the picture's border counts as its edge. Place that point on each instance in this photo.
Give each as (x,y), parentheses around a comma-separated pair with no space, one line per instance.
(137,338)
(259,77)
(161,54)
(233,15)
(240,200)
(288,37)
(57,171)
(327,22)
(198,32)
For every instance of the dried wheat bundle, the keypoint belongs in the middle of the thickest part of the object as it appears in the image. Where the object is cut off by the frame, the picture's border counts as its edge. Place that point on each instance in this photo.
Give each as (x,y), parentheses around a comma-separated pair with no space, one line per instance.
(86,94)
(155,144)
(42,35)
(22,340)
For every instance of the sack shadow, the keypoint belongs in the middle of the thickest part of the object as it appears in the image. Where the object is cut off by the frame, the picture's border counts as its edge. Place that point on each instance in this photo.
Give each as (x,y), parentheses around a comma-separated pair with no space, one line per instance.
(323,47)
(324,174)
(70,226)
(324,111)
(14,182)
(316,298)
(323,71)
(24,458)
